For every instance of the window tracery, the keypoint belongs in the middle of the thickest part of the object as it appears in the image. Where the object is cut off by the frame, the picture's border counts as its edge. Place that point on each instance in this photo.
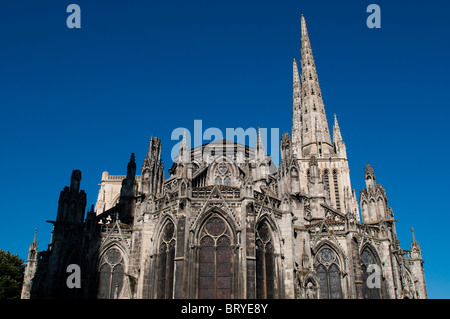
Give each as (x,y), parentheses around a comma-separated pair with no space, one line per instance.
(265,262)
(326,180)
(329,274)
(223,175)
(111,274)
(215,260)
(165,262)
(367,259)
(336,189)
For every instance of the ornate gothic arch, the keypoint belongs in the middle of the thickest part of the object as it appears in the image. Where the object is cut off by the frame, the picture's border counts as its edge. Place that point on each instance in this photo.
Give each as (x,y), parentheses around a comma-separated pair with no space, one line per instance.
(294,175)
(381,210)
(330,267)
(112,269)
(217,170)
(268,263)
(163,220)
(215,259)
(115,201)
(309,286)
(165,258)
(369,256)
(409,290)
(211,208)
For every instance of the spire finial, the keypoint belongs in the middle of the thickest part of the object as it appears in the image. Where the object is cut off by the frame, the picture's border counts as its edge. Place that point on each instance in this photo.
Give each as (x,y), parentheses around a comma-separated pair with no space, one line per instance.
(184,141)
(258,137)
(413,236)
(34,243)
(337,136)
(303,26)
(259,149)
(184,149)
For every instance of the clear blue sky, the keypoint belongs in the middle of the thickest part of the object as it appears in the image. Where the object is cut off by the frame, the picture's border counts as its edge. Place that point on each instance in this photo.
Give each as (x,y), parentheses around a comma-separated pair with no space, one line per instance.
(87,98)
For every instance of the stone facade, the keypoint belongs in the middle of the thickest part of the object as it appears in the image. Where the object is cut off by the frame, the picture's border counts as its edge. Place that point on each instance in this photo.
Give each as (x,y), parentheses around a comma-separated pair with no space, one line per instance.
(227,224)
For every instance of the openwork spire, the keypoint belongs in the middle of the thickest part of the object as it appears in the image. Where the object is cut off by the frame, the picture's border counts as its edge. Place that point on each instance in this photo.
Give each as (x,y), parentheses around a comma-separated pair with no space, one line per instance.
(296,110)
(316,138)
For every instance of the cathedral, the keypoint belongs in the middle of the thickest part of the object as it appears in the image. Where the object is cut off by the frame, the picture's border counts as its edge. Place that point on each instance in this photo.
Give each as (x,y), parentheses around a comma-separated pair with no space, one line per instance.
(229,224)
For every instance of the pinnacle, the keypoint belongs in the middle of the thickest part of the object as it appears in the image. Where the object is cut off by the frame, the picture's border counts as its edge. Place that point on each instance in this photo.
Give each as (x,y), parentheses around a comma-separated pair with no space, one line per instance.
(303,26)
(413,236)
(335,120)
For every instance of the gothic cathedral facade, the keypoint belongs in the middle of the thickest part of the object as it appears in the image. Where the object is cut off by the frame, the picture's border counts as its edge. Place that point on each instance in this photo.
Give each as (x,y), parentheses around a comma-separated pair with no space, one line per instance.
(233,225)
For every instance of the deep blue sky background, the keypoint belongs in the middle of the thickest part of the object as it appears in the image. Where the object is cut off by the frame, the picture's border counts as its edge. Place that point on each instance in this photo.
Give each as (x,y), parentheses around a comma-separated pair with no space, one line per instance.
(87,98)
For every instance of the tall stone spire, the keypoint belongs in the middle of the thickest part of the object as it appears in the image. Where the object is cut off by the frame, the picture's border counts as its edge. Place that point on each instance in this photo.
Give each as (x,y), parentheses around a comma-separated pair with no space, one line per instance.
(296,111)
(259,148)
(316,138)
(31,268)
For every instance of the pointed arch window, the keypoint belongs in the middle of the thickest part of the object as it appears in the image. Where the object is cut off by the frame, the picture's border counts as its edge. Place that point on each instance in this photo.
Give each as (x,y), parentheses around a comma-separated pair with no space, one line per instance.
(329,274)
(111,275)
(165,262)
(368,258)
(326,180)
(336,189)
(365,212)
(380,208)
(222,175)
(215,260)
(295,181)
(265,263)
(373,210)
